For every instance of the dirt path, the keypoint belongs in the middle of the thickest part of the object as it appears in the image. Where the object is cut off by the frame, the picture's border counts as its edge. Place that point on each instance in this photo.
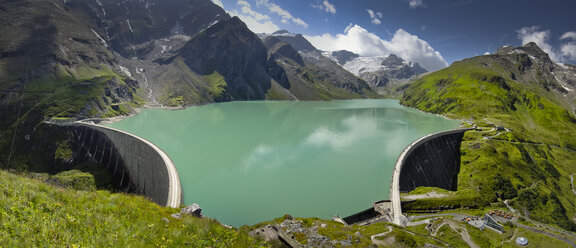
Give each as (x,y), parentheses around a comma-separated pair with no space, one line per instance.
(513,238)
(380,242)
(464,234)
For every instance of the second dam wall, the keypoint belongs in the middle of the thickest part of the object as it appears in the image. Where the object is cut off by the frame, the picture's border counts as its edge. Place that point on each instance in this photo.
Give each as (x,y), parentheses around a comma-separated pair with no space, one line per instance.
(433,161)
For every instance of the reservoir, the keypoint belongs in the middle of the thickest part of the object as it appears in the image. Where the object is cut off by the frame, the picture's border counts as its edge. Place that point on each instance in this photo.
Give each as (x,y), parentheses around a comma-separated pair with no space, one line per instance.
(248,162)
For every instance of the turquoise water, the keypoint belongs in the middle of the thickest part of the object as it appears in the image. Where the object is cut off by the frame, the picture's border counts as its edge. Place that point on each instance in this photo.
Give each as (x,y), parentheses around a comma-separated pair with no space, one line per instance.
(248,162)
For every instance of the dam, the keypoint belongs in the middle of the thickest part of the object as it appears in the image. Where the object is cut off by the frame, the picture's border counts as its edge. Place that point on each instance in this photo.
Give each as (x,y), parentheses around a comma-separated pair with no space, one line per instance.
(137,165)
(431,161)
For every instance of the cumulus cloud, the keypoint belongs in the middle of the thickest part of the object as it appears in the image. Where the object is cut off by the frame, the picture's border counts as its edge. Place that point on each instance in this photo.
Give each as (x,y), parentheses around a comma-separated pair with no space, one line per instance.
(358,40)
(375,16)
(257,22)
(567,50)
(285,15)
(219,3)
(416,3)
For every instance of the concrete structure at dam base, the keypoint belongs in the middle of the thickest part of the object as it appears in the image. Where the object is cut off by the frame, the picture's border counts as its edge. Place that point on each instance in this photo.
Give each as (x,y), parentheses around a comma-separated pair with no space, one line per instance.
(431,161)
(137,165)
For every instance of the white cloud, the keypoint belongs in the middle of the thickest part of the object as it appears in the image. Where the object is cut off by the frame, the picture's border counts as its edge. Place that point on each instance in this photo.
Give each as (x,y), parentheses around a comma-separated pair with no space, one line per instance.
(359,40)
(329,7)
(416,3)
(568,49)
(257,22)
(219,3)
(568,35)
(325,5)
(375,16)
(285,15)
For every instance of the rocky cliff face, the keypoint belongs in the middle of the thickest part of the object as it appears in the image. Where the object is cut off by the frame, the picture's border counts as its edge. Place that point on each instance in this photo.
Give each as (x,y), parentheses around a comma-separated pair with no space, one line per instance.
(311,75)
(230,49)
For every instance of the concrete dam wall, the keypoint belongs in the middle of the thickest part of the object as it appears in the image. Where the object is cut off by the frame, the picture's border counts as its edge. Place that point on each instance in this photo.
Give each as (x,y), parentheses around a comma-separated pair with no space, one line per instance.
(433,161)
(137,165)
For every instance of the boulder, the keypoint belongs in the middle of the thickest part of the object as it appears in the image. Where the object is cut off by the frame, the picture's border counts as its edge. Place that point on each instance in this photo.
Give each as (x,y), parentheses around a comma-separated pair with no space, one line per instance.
(192,210)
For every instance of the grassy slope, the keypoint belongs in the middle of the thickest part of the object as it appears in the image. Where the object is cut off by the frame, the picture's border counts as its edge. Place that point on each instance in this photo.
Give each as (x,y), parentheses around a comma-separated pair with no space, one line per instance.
(531,164)
(33,213)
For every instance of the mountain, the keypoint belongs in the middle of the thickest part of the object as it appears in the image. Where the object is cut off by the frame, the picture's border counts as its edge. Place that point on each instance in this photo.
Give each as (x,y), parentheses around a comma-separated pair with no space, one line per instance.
(308,74)
(385,74)
(343,56)
(523,149)
(295,40)
(83,59)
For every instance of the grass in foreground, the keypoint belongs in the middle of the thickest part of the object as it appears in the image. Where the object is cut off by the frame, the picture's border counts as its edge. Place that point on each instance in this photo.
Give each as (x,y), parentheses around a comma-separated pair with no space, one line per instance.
(33,213)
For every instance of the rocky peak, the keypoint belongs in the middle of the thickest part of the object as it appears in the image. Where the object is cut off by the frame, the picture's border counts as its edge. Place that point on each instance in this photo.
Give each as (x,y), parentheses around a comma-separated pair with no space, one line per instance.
(392,61)
(278,48)
(343,56)
(297,41)
(530,49)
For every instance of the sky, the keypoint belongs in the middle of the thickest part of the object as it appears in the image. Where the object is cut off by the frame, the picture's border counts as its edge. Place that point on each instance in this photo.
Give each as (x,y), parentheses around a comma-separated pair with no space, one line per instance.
(434,33)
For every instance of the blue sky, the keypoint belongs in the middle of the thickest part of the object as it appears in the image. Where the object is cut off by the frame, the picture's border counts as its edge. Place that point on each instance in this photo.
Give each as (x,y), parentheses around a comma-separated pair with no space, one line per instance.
(432,32)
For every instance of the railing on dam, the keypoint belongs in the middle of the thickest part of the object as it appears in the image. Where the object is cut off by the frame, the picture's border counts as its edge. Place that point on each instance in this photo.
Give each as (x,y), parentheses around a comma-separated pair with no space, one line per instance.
(138,165)
(433,161)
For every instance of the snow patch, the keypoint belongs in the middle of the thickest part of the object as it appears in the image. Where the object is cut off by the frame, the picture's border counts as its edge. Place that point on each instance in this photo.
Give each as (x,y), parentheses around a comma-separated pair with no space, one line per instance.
(102,41)
(285,35)
(562,83)
(365,64)
(101,7)
(125,71)
(129,26)
(516,51)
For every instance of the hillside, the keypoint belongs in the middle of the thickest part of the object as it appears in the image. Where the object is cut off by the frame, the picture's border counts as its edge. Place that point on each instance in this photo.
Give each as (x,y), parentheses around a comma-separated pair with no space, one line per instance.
(524,149)
(34,214)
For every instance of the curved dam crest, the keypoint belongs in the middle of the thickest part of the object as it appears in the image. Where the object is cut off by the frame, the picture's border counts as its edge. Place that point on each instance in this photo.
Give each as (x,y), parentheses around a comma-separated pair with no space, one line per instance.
(137,165)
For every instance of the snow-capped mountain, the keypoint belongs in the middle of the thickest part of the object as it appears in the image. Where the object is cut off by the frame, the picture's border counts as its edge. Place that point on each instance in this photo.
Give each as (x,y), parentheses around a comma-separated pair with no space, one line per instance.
(378,71)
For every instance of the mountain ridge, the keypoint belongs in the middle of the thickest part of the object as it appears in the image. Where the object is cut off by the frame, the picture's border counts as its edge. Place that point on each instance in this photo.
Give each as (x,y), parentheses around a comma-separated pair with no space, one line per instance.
(521,105)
